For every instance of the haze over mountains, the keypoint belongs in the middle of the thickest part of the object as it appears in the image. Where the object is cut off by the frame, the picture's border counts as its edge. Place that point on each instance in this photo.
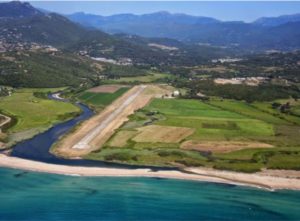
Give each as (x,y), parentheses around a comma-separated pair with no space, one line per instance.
(22,25)
(40,45)
(194,37)
(282,33)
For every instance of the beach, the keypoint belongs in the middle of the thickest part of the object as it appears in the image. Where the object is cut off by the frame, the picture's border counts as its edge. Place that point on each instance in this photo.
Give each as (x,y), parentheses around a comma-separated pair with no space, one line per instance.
(272,180)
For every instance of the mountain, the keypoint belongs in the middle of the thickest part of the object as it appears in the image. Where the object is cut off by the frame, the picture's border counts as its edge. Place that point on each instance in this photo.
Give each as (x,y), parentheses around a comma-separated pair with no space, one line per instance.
(17,9)
(280,20)
(162,17)
(157,24)
(280,33)
(20,22)
(36,27)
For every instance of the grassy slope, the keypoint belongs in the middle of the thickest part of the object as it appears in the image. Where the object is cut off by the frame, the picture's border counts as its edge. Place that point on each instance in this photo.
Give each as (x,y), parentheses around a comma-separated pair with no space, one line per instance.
(267,107)
(33,112)
(216,120)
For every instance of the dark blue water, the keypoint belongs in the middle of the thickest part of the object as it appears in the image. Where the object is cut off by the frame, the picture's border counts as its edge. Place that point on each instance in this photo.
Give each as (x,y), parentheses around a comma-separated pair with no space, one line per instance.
(37,196)
(37,148)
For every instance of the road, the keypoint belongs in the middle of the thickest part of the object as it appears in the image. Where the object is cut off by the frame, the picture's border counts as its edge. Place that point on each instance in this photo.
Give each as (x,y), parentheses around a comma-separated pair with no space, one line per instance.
(84,142)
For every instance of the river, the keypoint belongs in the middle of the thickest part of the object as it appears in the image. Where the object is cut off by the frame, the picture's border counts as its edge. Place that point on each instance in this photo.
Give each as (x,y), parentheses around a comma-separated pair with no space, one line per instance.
(38,147)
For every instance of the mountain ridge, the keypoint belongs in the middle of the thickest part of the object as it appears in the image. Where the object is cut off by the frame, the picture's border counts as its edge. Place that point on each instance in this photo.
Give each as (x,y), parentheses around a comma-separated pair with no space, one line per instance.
(17,9)
(198,29)
(52,29)
(279,20)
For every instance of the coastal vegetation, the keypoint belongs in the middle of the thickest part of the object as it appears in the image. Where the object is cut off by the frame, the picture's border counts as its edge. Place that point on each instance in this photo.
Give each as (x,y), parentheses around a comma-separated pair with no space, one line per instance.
(32,114)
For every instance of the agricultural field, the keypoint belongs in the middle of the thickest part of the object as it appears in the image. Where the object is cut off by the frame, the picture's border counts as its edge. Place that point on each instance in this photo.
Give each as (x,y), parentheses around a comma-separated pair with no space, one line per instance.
(151,77)
(293,117)
(101,97)
(223,134)
(32,114)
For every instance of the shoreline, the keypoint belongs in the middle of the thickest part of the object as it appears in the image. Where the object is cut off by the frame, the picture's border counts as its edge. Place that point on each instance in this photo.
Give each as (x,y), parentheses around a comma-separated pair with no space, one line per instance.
(264,179)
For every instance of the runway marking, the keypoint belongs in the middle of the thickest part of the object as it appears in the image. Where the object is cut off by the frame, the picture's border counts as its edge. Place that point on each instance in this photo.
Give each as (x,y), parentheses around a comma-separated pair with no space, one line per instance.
(84,142)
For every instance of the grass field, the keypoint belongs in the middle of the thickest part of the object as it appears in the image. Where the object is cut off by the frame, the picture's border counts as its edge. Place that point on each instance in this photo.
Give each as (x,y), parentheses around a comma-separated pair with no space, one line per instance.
(34,114)
(162,134)
(253,137)
(152,77)
(267,107)
(209,122)
(101,99)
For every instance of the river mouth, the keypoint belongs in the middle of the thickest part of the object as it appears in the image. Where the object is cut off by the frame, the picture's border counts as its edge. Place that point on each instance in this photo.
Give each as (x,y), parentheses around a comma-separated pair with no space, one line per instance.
(38,147)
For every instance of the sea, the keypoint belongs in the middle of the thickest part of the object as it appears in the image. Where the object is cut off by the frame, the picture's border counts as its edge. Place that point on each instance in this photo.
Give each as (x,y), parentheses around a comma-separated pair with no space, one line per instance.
(39,196)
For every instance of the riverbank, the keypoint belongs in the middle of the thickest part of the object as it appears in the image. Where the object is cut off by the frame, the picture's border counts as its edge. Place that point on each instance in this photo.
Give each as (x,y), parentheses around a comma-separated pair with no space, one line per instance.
(93,133)
(268,180)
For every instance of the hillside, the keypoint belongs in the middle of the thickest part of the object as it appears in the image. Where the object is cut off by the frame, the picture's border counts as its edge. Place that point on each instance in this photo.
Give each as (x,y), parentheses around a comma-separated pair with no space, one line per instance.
(280,33)
(40,69)
(275,21)
(17,9)
(39,27)
(35,27)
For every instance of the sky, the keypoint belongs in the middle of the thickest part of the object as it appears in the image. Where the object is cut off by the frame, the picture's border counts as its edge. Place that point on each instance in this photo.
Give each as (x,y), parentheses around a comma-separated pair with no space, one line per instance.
(223,10)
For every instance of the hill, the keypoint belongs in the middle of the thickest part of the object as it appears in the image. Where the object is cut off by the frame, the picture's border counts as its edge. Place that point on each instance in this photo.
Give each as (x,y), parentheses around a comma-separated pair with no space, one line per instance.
(275,21)
(280,33)
(41,69)
(22,30)
(17,9)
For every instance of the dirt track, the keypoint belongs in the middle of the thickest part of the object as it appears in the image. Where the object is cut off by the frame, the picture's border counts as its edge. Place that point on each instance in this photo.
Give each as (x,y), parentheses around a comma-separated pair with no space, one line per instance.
(93,133)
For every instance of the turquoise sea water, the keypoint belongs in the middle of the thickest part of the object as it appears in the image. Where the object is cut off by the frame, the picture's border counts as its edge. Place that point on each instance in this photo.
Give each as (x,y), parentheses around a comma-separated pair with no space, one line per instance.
(38,196)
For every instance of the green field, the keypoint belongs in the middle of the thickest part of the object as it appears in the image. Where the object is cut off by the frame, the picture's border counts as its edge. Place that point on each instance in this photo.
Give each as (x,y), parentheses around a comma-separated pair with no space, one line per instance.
(101,99)
(34,114)
(216,120)
(152,77)
(292,118)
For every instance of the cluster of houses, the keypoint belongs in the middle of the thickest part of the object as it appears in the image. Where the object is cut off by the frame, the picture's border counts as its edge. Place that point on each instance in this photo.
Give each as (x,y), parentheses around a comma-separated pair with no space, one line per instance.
(251,81)
(226,60)
(5,91)
(121,61)
(15,42)
(24,46)
(174,94)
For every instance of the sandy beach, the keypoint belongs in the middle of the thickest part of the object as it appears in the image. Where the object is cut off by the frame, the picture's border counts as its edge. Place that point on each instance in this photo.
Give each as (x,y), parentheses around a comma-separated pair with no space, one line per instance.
(269,180)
